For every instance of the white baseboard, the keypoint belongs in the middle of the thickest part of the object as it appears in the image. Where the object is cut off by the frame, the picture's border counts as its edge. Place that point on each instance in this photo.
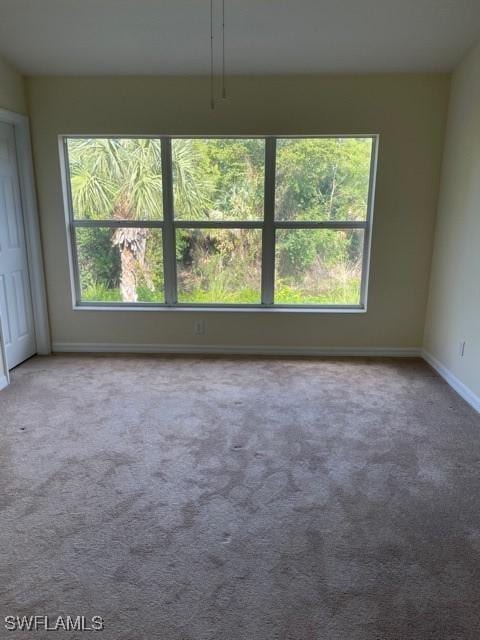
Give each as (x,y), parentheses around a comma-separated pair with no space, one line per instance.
(467,394)
(112,347)
(3,382)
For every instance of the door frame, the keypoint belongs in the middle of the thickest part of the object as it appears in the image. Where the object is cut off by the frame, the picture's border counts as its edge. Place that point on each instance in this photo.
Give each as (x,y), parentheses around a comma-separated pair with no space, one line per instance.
(31,226)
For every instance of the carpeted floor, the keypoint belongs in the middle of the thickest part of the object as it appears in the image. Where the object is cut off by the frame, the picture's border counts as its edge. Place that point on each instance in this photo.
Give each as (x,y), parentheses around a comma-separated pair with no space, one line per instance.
(240,499)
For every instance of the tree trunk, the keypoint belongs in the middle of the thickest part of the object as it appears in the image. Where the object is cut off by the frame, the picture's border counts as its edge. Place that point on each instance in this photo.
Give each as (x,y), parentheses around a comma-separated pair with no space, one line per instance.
(332,192)
(132,245)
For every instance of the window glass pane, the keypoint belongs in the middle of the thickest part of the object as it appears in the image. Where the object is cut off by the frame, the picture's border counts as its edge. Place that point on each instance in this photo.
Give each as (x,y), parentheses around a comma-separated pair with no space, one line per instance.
(318,266)
(120,265)
(219,266)
(114,178)
(322,178)
(218,179)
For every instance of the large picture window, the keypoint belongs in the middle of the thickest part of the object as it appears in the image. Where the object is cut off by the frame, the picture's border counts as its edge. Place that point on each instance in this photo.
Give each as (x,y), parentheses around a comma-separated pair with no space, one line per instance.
(256,222)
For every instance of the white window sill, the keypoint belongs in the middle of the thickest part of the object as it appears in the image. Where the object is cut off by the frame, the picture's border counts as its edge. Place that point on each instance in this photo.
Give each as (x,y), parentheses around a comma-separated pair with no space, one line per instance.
(220,308)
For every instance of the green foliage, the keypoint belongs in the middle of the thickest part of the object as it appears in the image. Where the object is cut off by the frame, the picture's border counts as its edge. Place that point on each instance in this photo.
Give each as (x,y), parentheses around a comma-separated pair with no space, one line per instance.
(98,292)
(191,184)
(299,249)
(220,266)
(116,178)
(296,250)
(322,179)
(122,178)
(98,259)
(153,282)
(227,183)
(337,293)
(284,294)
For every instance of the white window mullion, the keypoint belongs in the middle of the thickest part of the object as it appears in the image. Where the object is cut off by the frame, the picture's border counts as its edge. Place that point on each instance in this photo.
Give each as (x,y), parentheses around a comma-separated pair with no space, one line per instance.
(268,236)
(169,263)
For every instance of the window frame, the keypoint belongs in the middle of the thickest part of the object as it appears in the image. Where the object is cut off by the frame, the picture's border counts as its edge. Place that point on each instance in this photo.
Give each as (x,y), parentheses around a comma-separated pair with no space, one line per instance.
(169,225)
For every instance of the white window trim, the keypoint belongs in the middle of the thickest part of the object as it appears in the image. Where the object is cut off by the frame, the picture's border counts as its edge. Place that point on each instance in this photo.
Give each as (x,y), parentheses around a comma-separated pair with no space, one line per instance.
(168,226)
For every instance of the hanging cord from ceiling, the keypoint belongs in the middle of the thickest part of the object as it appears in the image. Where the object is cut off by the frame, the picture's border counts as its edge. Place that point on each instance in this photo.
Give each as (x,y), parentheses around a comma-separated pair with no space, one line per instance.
(224,86)
(212,79)
(212,56)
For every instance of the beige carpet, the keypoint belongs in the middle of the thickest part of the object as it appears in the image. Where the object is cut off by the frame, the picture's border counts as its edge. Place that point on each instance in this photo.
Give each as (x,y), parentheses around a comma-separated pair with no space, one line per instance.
(232,499)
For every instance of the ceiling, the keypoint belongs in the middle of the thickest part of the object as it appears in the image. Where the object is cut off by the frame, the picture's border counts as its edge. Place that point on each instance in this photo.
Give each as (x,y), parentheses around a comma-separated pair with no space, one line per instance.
(96,37)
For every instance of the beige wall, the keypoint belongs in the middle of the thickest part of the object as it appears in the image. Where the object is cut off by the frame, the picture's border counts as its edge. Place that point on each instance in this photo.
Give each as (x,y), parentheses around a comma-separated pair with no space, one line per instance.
(12,97)
(12,89)
(408,111)
(454,304)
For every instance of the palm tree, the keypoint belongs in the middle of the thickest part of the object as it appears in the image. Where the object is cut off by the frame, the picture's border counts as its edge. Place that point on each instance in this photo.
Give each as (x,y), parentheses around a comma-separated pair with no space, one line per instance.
(121,179)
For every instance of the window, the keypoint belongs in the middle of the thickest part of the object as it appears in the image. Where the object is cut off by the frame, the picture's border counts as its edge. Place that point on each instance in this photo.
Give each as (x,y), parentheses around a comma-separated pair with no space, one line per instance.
(259,222)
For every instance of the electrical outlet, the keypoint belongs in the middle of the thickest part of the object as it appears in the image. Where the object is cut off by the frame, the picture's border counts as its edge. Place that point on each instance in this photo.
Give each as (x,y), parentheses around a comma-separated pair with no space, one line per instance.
(461,348)
(199,327)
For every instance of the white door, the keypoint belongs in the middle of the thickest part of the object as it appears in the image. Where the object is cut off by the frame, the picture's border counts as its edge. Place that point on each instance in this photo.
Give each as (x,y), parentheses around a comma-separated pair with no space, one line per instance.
(15,299)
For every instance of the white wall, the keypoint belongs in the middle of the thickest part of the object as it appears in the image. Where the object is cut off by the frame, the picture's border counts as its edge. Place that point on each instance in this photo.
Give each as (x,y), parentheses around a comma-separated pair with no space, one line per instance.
(454,304)
(408,111)
(12,97)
